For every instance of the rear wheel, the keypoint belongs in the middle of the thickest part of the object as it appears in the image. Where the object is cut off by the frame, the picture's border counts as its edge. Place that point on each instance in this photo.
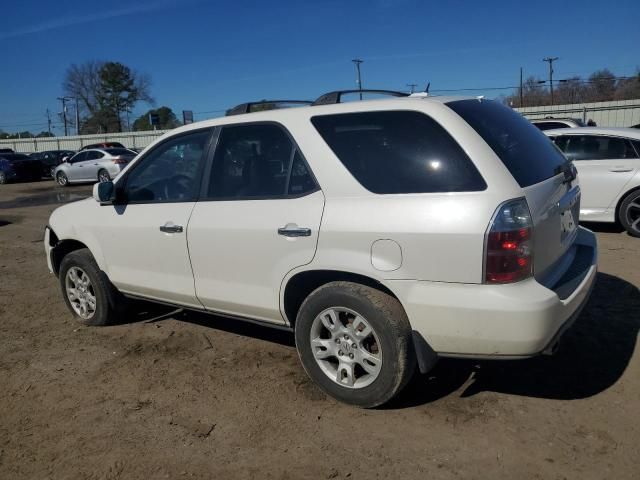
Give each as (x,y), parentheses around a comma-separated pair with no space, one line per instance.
(103,176)
(87,291)
(62,179)
(355,343)
(629,214)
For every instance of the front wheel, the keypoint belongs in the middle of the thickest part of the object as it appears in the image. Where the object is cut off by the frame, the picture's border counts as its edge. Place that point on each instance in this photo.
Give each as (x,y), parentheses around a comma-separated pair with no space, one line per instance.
(87,291)
(629,214)
(355,343)
(62,179)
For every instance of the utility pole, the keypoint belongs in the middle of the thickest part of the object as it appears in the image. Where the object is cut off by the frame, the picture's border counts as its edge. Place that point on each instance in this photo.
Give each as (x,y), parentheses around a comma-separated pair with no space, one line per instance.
(64,113)
(412,86)
(49,121)
(521,90)
(77,117)
(550,60)
(357,62)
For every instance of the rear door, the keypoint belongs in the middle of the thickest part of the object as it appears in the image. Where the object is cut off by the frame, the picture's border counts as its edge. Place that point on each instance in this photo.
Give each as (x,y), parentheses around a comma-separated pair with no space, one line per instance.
(538,166)
(605,165)
(92,164)
(258,219)
(76,167)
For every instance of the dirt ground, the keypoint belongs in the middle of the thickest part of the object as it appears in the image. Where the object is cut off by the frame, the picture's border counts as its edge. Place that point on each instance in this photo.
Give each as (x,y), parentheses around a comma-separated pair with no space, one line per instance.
(175,395)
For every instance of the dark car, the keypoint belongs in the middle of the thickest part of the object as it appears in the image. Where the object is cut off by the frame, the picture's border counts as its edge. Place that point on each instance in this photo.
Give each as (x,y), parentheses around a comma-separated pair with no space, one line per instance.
(103,145)
(6,150)
(17,166)
(51,159)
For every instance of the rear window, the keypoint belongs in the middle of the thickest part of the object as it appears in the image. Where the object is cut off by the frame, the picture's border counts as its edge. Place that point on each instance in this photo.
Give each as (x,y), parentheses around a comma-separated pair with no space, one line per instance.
(119,151)
(526,152)
(399,152)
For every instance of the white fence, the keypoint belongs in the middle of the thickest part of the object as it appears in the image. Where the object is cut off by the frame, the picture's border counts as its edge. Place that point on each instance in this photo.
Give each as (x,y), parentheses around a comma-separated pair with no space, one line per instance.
(621,113)
(128,139)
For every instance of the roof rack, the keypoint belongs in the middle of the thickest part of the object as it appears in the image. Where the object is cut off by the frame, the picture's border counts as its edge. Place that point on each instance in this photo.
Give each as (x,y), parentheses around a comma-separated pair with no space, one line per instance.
(335,97)
(270,104)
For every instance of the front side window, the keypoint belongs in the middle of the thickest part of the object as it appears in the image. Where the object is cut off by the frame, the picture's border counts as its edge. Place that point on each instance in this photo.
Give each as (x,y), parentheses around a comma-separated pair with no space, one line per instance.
(255,161)
(592,147)
(399,152)
(171,172)
(80,157)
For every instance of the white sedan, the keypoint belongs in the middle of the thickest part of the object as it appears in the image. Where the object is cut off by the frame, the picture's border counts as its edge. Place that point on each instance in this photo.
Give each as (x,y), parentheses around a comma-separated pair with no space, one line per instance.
(93,165)
(608,164)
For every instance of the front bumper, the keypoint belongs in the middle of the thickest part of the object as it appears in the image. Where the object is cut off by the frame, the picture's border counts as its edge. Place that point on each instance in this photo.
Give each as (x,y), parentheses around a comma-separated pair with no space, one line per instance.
(500,321)
(48,248)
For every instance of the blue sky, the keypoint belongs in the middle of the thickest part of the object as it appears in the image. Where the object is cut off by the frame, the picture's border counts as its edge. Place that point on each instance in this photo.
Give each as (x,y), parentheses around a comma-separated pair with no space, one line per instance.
(209,55)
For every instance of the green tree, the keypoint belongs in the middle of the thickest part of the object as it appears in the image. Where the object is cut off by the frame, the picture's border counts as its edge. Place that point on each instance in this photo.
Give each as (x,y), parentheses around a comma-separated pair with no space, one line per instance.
(167,119)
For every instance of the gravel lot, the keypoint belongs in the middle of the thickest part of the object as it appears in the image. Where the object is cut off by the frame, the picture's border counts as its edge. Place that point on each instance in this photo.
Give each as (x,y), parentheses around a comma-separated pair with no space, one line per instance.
(176,395)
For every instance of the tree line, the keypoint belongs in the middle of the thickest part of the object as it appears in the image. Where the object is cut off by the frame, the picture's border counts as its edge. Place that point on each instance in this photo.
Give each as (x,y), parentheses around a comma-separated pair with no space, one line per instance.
(600,86)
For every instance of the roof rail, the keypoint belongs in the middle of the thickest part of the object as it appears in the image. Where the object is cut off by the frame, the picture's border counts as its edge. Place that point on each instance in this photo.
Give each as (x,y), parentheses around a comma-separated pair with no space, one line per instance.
(268,104)
(335,97)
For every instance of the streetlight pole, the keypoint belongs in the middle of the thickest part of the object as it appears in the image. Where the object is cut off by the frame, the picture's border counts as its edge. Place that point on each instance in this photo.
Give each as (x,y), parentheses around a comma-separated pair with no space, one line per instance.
(550,60)
(64,113)
(357,62)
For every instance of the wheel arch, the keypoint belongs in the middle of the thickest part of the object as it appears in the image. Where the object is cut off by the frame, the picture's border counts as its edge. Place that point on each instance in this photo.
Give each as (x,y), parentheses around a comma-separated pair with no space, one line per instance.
(301,284)
(623,197)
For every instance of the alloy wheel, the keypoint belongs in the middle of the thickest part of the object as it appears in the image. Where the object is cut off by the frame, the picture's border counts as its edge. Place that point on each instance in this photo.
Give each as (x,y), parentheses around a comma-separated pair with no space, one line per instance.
(104,177)
(346,347)
(80,293)
(62,179)
(633,215)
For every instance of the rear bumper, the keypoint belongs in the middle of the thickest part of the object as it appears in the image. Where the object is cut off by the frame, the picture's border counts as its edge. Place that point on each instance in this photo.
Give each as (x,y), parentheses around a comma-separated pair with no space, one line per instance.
(500,321)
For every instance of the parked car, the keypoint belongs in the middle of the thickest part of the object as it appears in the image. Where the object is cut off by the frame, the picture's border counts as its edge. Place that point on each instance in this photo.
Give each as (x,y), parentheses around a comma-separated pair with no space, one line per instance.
(6,150)
(608,163)
(549,123)
(103,145)
(385,234)
(97,165)
(15,167)
(51,159)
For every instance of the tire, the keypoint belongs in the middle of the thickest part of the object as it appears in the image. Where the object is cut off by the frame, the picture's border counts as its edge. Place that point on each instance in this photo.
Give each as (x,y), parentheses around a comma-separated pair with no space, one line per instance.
(342,375)
(629,214)
(108,304)
(3,178)
(103,176)
(62,179)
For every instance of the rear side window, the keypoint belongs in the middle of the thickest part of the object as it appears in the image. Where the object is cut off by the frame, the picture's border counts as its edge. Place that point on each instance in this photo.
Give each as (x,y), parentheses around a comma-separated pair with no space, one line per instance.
(399,152)
(526,152)
(592,147)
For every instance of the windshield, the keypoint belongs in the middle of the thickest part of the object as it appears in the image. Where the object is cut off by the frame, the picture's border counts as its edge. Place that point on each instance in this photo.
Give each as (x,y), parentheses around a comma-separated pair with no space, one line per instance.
(526,152)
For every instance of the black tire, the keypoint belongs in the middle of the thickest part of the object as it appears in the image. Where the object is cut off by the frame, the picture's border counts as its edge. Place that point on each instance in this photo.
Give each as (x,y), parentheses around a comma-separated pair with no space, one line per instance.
(3,178)
(62,179)
(629,214)
(110,304)
(103,173)
(389,321)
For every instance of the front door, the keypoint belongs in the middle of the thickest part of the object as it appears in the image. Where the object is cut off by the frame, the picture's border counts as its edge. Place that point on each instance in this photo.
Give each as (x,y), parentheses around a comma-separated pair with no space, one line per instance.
(258,220)
(605,164)
(144,237)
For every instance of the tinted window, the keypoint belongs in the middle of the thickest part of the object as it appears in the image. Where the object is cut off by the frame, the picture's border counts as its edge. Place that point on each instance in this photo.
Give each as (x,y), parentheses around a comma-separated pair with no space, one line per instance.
(80,157)
(300,181)
(94,155)
(15,156)
(171,172)
(591,147)
(399,152)
(550,125)
(253,161)
(119,151)
(525,151)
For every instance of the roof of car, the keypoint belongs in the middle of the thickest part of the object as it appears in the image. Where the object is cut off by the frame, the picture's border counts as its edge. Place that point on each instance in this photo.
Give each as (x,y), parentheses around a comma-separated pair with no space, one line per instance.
(285,114)
(617,131)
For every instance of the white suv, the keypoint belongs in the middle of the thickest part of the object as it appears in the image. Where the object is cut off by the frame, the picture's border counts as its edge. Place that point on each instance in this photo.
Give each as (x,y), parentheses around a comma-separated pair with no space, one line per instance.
(385,233)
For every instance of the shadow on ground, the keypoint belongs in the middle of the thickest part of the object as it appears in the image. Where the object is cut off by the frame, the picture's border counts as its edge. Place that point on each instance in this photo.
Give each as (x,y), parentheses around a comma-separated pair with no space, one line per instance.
(592,356)
(603,227)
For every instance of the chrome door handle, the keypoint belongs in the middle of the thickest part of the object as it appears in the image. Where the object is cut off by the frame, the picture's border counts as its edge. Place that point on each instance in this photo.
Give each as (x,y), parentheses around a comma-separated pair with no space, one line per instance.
(292,230)
(171,228)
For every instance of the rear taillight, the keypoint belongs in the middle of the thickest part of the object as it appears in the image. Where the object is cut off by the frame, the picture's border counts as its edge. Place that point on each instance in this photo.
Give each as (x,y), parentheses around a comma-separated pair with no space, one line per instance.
(120,160)
(508,244)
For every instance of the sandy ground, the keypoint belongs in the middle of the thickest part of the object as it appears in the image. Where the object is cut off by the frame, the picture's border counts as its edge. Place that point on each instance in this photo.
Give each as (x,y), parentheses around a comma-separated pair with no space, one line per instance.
(174,395)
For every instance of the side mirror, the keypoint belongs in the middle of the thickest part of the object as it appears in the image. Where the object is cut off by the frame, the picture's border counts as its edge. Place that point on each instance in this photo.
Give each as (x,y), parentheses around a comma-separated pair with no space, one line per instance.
(104,192)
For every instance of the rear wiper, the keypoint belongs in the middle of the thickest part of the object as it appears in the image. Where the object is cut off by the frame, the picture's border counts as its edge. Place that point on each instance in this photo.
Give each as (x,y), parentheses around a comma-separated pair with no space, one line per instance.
(569,171)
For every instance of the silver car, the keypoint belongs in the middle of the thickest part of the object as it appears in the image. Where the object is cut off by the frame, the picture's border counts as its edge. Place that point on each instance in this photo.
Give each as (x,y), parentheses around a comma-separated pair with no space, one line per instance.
(94,165)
